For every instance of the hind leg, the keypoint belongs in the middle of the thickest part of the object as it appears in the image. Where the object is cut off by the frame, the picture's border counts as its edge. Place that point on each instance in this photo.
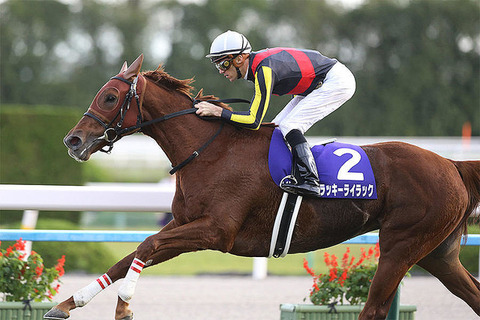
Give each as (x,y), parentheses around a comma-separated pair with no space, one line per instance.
(400,250)
(444,264)
(390,272)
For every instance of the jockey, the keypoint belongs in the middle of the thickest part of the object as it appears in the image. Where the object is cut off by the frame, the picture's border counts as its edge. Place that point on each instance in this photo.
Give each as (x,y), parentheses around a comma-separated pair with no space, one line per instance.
(319,86)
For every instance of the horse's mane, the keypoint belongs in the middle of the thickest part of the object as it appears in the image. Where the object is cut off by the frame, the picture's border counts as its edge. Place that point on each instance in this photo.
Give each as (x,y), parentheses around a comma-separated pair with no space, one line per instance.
(163,79)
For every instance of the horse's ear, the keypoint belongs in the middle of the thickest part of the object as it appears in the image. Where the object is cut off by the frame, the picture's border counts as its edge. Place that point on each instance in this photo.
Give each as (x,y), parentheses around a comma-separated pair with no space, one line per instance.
(134,68)
(124,67)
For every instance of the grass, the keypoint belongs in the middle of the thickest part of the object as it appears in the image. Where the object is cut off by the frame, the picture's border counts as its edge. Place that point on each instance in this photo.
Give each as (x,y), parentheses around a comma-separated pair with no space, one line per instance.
(213,262)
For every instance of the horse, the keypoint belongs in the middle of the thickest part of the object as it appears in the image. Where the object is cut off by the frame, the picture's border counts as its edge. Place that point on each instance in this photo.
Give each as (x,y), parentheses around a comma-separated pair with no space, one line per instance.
(225,199)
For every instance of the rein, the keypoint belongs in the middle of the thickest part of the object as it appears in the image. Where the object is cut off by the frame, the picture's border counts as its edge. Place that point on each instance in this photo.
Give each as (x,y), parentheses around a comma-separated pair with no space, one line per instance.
(115,133)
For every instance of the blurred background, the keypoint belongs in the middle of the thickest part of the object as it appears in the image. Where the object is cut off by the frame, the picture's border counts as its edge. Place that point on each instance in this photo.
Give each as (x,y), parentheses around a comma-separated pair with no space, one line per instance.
(417,66)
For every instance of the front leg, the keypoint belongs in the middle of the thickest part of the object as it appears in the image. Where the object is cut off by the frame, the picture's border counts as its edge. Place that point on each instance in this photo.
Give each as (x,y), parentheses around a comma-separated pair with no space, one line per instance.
(84,295)
(199,234)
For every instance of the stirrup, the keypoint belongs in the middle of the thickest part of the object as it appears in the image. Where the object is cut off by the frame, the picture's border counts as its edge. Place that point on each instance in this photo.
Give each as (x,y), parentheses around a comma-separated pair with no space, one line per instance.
(289,177)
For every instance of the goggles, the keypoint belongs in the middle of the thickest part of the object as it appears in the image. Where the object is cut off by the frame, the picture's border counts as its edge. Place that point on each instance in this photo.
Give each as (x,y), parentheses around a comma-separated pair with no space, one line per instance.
(224,65)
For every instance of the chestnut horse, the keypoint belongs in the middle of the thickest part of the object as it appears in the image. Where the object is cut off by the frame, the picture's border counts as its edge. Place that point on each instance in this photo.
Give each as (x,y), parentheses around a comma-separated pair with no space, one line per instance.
(226,200)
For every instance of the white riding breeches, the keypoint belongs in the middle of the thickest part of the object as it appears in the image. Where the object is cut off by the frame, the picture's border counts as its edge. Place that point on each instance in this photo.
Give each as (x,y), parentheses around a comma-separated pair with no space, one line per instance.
(302,112)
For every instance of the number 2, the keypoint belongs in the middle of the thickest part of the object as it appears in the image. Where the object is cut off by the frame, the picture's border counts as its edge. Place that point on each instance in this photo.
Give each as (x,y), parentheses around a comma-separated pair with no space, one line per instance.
(344,171)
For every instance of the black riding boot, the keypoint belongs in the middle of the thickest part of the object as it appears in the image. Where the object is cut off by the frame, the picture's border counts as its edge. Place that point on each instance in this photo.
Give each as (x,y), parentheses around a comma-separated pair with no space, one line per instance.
(304,170)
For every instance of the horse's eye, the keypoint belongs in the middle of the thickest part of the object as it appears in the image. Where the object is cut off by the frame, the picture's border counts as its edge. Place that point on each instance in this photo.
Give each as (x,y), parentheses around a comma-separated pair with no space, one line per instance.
(110,98)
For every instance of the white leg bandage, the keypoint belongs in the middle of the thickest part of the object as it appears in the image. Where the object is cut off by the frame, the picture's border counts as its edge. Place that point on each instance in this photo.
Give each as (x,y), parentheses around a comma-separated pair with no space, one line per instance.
(83,296)
(127,288)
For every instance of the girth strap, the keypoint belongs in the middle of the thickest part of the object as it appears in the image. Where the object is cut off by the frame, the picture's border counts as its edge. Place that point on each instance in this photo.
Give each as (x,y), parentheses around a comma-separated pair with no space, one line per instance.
(284,225)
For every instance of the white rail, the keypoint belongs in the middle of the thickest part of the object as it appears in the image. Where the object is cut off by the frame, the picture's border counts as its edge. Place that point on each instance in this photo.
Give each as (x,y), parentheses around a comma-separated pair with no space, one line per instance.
(147,198)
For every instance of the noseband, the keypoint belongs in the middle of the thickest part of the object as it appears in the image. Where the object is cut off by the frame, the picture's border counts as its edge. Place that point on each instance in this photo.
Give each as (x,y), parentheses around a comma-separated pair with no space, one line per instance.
(113,133)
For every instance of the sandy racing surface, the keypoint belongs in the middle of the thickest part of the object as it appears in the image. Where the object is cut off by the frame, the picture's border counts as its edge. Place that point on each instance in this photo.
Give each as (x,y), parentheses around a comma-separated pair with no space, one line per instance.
(241,298)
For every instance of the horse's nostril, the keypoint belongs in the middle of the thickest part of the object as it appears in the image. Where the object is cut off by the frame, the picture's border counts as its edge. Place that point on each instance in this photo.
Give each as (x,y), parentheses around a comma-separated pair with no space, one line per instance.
(73,142)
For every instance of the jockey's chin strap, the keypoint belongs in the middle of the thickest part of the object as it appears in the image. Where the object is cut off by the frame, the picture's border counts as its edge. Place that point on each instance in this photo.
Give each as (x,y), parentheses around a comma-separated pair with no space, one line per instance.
(115,133)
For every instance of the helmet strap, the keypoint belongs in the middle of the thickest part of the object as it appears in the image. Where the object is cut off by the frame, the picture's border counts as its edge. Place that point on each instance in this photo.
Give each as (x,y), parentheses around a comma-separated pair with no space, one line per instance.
(239,74)
(238,63)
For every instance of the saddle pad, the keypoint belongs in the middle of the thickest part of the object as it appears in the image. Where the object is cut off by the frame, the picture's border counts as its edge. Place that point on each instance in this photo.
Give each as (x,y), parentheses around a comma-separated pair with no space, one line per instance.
(344,170)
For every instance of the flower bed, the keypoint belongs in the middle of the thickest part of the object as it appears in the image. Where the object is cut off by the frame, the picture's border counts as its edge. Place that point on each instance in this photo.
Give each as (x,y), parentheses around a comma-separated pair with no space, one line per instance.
(25,279)
(349,281)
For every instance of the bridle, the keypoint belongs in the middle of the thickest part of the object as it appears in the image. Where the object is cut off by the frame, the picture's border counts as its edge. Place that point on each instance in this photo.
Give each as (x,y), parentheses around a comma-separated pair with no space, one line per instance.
(113,133)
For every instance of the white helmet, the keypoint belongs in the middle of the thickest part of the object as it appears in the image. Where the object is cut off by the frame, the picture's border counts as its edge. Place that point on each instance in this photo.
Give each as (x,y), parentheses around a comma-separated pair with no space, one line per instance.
(229,42)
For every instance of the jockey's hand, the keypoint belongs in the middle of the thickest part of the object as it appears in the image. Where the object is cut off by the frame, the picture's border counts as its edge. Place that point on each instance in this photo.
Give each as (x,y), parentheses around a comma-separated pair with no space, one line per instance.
(207,109)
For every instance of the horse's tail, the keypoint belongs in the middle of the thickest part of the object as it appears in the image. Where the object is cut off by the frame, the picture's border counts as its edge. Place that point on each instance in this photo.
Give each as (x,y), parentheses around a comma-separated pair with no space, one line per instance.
(470,173)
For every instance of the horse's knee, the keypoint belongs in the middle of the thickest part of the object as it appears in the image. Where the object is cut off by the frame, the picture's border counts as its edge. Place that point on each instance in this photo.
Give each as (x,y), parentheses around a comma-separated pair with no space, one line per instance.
(146,248)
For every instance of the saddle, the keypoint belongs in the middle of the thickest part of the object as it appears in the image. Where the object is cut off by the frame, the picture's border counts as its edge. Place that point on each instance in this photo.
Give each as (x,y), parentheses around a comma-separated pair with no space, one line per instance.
(344,171)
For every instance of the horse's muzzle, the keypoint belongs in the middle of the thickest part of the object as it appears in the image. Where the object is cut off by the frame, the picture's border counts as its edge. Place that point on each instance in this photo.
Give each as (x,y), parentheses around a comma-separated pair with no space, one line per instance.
(79,149)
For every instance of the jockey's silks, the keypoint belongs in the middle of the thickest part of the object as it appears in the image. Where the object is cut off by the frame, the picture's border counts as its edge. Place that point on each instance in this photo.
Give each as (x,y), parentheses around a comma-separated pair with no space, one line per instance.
(279,71)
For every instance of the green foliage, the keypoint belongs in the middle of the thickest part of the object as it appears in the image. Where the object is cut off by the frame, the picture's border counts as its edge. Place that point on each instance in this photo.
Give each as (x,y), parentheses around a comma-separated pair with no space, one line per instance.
(91,257)
(418,68)
(416,62)
(469,258)
(27,279)
(32,145)
(32,151)
(358,283)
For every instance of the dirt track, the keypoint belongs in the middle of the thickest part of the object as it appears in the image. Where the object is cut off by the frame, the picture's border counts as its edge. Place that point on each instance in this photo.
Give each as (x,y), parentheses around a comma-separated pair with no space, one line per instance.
(241,298)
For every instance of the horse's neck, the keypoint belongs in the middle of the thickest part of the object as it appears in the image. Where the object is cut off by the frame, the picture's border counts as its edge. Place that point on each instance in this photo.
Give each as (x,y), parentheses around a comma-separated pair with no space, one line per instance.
(178,137)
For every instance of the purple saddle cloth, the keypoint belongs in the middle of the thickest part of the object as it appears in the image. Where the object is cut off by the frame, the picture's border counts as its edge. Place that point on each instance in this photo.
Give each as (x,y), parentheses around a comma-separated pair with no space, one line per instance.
(344,170)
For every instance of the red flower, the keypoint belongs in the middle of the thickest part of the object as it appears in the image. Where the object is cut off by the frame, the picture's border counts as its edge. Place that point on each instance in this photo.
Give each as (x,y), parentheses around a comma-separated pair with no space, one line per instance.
(377,250)
(370,253)
(345,258)
(59,266)
(333,274)
(327,258)
(20,245)
(9,251)
(362,257)
(39,270)
(306,267)
(343,277)
(334,262)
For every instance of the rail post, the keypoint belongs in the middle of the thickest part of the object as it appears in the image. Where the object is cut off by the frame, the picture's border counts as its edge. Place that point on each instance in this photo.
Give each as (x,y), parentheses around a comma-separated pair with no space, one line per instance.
(394,312)
(29,222)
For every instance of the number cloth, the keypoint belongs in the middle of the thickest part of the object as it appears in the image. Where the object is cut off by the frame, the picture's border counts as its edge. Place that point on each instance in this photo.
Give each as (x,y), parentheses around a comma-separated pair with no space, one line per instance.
(344,170)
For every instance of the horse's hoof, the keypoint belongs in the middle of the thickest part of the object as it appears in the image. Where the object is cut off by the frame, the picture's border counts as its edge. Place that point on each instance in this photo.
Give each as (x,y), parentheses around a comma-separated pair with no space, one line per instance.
(56,314)
(130,317)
